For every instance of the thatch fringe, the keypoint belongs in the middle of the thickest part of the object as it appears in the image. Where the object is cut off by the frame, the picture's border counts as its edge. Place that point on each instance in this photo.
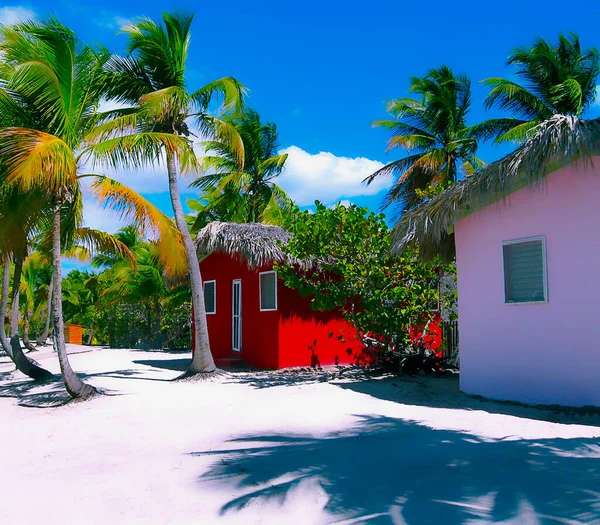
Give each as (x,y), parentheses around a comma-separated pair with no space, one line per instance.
(257,244)
(554,144)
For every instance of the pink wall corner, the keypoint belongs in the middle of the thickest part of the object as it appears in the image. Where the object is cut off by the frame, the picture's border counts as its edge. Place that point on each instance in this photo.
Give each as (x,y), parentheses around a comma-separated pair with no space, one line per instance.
(537,353)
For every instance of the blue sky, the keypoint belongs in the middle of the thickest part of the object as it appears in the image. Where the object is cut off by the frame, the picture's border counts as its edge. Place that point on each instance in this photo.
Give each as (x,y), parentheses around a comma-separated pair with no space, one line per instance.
(321,70)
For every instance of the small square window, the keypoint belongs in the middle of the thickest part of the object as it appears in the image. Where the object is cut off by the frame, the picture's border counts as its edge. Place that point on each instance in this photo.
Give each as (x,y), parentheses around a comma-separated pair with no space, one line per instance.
(210,296)
(525,271)
(268,291)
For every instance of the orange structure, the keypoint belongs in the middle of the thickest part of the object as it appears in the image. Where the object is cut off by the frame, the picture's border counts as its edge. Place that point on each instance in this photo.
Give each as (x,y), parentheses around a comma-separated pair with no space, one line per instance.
(74,334)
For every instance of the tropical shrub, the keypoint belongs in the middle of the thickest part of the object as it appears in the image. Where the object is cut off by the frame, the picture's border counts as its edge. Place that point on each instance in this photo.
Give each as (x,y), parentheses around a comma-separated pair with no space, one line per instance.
(352,269)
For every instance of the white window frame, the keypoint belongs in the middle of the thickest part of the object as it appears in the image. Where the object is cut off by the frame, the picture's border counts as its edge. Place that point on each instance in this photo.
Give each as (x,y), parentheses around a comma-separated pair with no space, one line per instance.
(260,292)
(239,348)
(203,285)
(544,269)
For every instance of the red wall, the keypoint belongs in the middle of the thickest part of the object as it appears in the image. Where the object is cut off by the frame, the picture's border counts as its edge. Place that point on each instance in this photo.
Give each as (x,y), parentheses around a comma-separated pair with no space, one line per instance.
(311,338)
(292,335)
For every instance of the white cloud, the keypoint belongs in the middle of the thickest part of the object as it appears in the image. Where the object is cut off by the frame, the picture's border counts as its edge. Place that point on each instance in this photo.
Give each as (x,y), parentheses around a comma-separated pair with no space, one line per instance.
(111,21)
(122,23)
(597,101)
(98,218)
(13,14)
(327,177)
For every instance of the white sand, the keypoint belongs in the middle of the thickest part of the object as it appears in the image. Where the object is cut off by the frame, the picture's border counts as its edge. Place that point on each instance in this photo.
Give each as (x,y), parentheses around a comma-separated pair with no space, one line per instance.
(282,448)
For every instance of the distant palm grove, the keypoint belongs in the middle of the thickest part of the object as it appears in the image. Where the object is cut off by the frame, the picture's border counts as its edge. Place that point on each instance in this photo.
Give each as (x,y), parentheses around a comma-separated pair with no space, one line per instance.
(58,139)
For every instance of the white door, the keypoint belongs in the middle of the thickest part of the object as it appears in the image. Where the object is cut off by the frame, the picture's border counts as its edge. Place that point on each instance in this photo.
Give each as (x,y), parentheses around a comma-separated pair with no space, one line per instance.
(236,310)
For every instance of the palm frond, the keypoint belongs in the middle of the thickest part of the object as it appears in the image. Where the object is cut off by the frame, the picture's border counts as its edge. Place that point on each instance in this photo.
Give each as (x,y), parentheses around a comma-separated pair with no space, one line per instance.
(557,142)
(225,132)
(146,217)
(228,88)
(36,159)
(96,241)
(142,149)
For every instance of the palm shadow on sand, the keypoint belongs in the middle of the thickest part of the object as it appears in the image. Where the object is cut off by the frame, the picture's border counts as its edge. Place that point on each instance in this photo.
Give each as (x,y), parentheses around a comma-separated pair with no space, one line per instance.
(52,393)
(177,365)
(395,471)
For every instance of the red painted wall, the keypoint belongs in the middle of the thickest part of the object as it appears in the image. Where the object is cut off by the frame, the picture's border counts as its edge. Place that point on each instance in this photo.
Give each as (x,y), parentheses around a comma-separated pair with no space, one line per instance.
(292,335)
(311,338)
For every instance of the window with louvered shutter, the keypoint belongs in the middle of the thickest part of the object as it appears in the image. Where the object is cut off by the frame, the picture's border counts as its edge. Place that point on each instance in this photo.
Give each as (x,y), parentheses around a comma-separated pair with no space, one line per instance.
(525,271)
(210,296)
(268,291)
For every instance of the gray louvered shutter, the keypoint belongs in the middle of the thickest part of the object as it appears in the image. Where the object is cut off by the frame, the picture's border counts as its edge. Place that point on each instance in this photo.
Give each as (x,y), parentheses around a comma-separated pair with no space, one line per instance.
(268,291)
(210,297)
(524,279)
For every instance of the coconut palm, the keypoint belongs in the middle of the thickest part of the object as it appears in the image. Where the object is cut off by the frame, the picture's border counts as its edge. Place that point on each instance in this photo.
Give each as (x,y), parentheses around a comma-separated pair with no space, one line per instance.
(80,244)
(246,190)
(20,214)
(82,301)
(145,288)
(556,142)
(60,80)
(34,270)
(433,131)
(153,79)
(555,79)
(210,206)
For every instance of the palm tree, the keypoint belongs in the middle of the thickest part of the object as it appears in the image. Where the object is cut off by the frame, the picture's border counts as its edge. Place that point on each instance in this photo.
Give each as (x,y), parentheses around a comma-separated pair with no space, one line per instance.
(434,133)
(34,268)
(246,190)
(152,78)
(556,142)
(557,79)
(4,289)
(60,81)
(145,288)
(20,214)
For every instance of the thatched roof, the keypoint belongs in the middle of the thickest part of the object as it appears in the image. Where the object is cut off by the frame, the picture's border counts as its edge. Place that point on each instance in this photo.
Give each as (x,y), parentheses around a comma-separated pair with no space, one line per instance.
(556,143)
(257,244)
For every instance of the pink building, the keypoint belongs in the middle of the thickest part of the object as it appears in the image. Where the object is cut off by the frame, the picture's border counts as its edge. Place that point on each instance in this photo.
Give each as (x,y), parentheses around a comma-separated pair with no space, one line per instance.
(528,288)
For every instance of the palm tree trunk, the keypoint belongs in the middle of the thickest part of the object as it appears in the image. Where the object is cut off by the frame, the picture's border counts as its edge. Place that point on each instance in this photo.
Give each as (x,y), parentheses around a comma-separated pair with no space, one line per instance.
(75,386)
(43,339)
(91,334)
(3,305)
(26,327)
(14,305)
(202,360)
(25,365)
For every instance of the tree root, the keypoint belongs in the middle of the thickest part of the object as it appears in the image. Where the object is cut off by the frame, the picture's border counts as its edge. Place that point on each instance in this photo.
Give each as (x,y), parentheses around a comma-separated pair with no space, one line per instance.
(190,376)
(83,398)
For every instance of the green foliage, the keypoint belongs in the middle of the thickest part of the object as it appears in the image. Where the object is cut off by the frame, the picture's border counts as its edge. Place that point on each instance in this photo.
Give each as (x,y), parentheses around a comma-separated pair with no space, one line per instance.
(353,270)
(245,191)
(130,306)
(556,79)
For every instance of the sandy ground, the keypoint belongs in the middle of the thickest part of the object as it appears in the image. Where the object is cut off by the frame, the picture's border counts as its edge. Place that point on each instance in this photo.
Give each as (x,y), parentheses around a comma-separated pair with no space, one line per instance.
(283,448)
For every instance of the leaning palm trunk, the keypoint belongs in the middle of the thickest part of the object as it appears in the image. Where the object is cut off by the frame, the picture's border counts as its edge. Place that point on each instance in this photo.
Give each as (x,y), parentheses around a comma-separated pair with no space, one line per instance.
(75,386)
(14,305)
(26,328)
(43,339)
(202,360)
(25,365)
(3,305)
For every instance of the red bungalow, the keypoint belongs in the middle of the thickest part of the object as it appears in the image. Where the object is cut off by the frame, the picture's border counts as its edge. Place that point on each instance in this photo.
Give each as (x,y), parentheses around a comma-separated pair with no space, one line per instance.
(253,318)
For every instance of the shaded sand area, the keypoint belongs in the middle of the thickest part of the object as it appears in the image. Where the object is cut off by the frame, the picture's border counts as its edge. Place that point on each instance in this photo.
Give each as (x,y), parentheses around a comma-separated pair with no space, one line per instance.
(299,447)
